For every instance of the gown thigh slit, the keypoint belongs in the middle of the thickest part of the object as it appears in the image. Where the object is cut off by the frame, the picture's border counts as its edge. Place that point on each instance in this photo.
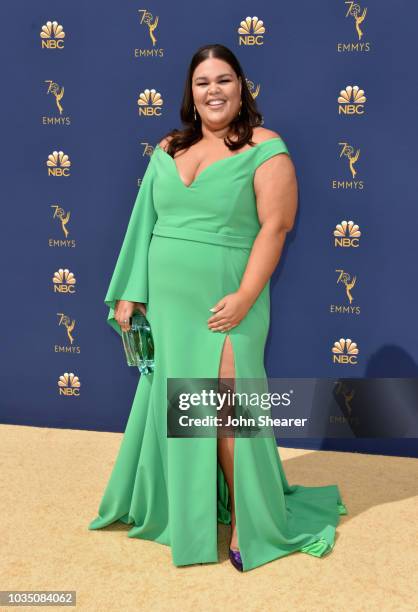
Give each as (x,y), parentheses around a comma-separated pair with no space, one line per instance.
(226,386)
(184,249)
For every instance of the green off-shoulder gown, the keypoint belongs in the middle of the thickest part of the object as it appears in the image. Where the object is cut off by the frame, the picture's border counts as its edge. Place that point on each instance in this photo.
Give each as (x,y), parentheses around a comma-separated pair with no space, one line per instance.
(184,249)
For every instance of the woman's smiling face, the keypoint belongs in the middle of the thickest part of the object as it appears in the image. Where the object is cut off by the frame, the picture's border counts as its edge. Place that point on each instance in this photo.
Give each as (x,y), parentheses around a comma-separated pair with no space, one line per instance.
(216,92)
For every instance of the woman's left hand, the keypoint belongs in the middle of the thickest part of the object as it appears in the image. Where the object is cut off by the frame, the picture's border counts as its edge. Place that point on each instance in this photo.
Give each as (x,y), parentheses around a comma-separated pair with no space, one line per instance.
(229,311)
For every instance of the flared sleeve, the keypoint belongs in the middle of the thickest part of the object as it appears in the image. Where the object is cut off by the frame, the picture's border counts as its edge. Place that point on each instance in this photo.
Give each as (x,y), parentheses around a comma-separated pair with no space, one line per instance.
(130,276)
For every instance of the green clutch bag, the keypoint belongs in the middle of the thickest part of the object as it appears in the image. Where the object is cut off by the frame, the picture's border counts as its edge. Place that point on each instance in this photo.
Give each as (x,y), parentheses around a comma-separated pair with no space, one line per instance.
(138,344)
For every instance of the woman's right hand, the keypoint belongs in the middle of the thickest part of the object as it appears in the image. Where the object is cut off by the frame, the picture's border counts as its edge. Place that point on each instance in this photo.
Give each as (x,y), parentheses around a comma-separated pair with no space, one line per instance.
(123,310)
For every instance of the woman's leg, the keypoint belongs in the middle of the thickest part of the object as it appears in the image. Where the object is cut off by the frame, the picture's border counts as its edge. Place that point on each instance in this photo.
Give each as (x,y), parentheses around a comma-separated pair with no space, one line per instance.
(226,444)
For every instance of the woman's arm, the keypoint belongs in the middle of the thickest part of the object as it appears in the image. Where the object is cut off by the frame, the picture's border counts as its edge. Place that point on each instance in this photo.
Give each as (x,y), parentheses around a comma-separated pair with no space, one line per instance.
(276,192)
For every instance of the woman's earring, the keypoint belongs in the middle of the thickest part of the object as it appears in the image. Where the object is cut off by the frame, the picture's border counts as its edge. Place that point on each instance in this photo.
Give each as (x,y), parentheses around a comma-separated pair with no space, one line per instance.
(195,118)
(240,104)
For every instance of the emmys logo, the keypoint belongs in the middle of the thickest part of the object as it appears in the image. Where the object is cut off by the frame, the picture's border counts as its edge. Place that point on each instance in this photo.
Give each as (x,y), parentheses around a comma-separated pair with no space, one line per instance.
(348,282)
(351,156)
(63,218)
(149,103)
(354,11)
(346,234)
(351,101)
(58,164)
(57,92)
(345,352)
(64,281)
(69,385)
(69,325)
(147,152)
(254,91)
(52,36)
(146,19)
(344,394)
(357,15)
(250,31)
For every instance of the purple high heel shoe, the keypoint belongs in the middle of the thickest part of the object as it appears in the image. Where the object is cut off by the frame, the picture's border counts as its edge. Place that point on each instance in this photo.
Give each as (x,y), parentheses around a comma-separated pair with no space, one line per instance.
(235,558)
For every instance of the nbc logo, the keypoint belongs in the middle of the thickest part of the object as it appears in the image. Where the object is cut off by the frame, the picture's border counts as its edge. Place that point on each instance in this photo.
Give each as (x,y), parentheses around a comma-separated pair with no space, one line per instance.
(69,385)
(52,35)
(250,31)
(149,103)
(58,164)
(64,281)
(346,234)
(345,351)
(351,101)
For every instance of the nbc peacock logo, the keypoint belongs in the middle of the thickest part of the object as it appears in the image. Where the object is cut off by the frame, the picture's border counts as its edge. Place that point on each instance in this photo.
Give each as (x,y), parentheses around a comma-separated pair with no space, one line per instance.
(69,385)
(346,234)
(150,102)
(345,352)
(52,35)
(58,164)
(351,101)
(251,31)
(63,281)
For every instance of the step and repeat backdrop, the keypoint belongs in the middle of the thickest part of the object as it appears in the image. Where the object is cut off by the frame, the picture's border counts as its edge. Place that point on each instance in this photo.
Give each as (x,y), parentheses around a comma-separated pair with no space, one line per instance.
(90,89)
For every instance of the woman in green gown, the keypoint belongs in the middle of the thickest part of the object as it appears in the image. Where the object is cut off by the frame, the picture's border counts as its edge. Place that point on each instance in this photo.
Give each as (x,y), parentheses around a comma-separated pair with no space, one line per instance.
(205,234)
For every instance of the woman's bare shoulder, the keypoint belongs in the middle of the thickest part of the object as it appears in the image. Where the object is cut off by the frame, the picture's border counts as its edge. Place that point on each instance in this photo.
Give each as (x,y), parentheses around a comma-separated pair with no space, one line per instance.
(260,134)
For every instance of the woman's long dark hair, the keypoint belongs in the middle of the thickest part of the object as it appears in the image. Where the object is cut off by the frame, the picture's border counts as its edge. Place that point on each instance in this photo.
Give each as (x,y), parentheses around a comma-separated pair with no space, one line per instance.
(241,126)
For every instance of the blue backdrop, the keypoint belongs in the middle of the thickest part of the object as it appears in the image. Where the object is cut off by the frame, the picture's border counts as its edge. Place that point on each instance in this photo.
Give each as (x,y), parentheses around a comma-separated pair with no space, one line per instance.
(75,89)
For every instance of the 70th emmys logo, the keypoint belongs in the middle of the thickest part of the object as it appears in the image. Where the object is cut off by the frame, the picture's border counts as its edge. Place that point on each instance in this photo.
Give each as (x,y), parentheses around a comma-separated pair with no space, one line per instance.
(250,31)
(57,92)
(69,325)
(52,35)
(58,164)
(150,103)
(354,11)
(348,281)
(64,281)
(351,155)
(147,19)
(69,385)
(351,101)
(345,352)
(357,16)
(346,234)
(253,89)
(64,217)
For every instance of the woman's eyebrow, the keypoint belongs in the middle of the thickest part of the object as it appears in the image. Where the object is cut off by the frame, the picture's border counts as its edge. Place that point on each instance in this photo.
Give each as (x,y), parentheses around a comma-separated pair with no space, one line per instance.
(218,77)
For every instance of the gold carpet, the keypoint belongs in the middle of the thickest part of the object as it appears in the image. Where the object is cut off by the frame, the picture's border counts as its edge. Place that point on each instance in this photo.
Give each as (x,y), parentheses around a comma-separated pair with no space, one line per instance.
(52,481)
